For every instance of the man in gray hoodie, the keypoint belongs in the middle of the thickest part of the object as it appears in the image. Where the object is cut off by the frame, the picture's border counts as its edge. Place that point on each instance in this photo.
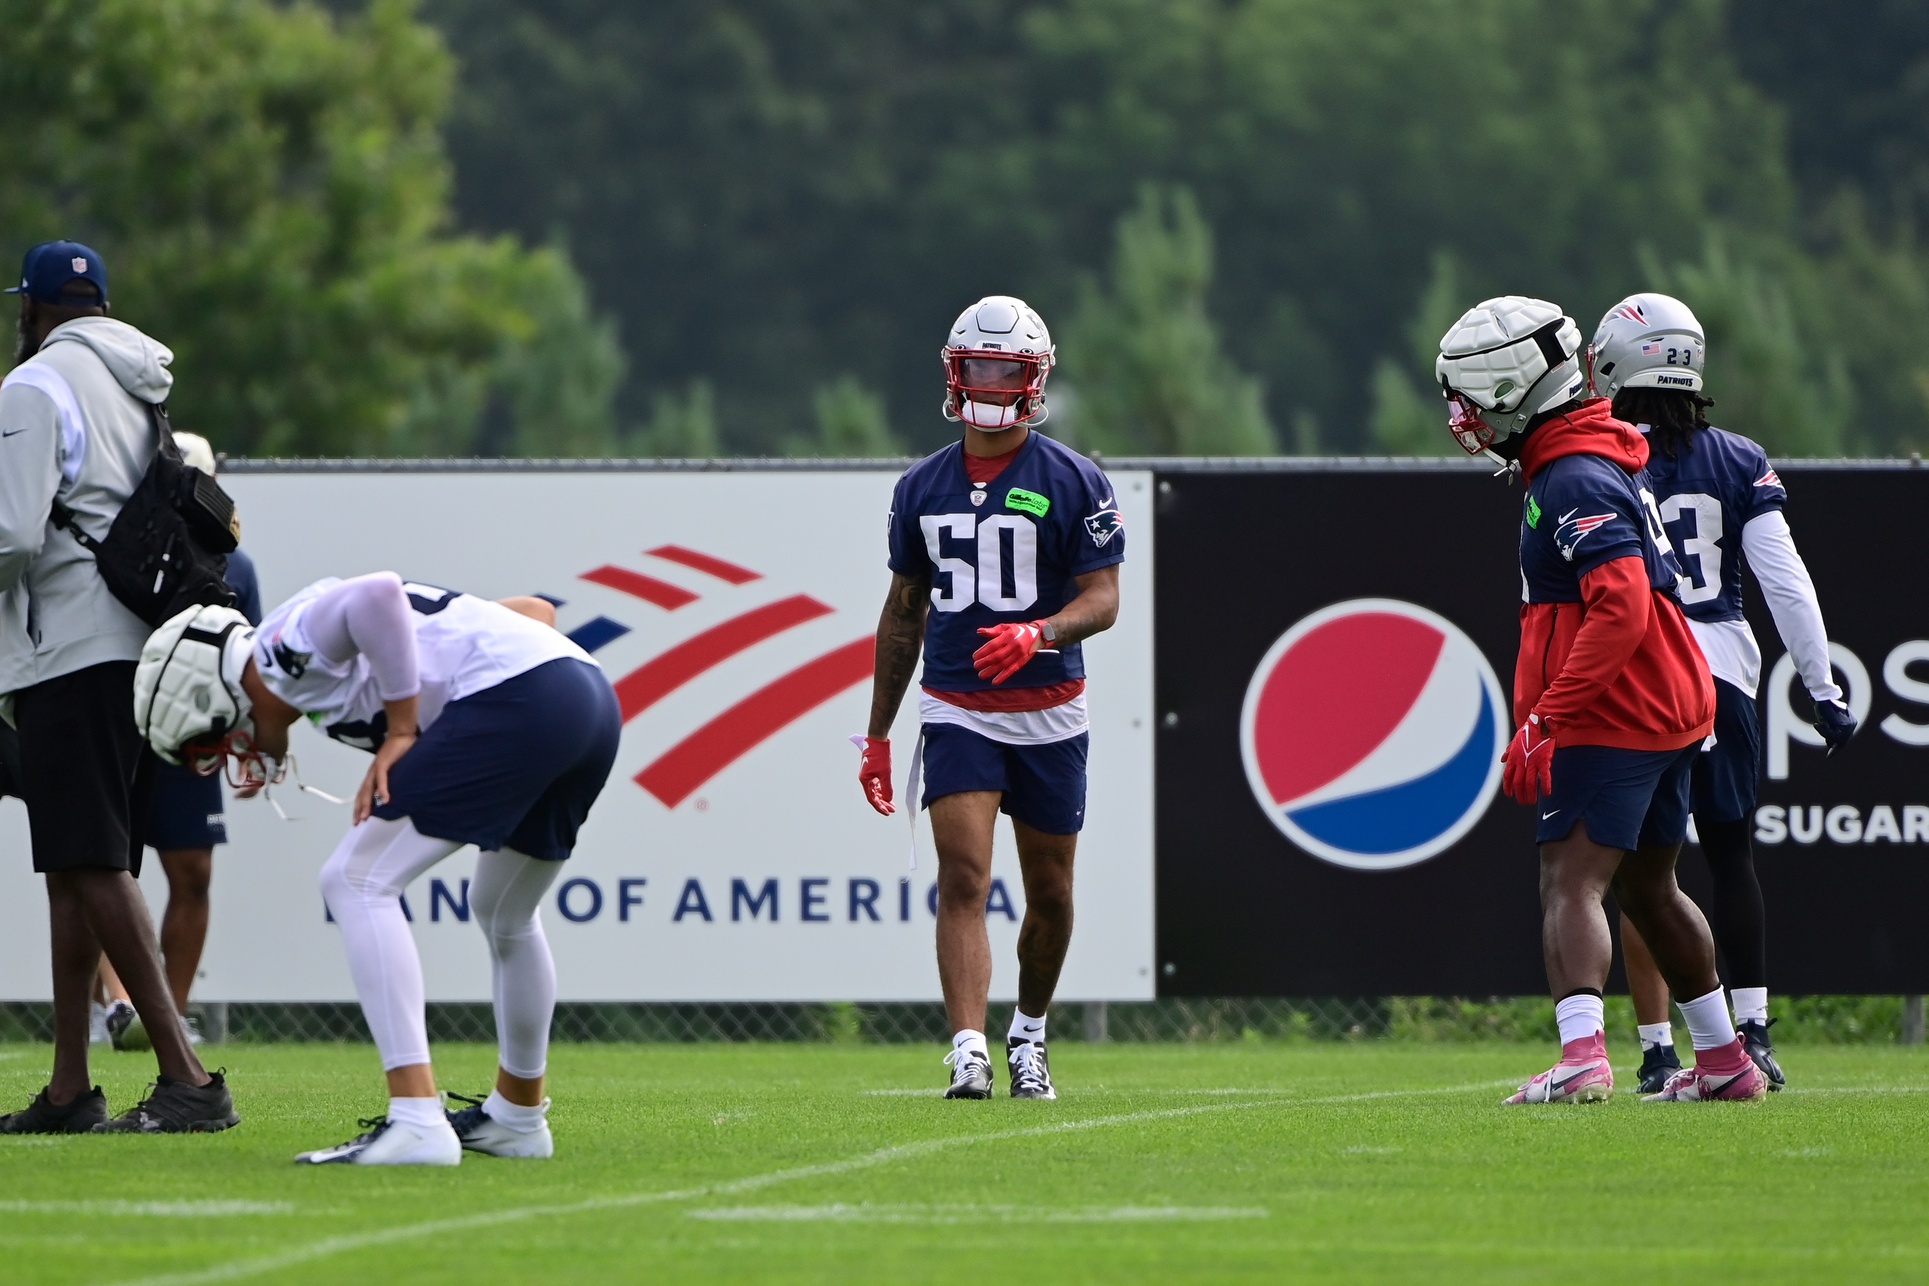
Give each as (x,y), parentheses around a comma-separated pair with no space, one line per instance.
(77,428)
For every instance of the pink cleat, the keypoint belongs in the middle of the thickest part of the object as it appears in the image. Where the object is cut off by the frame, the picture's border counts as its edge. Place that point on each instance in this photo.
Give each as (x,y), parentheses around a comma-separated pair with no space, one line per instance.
(1582,1076)
(1725,1075)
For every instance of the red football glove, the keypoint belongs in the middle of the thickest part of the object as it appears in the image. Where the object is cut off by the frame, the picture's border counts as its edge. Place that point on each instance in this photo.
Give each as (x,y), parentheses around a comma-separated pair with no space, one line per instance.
(1010,647)
(1528,765)
(874,774)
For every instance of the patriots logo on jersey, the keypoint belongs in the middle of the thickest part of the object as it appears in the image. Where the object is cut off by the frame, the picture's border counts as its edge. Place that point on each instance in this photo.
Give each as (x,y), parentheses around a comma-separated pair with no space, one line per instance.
(1104,524)
(290,662)
(1769,479)
(1573,531)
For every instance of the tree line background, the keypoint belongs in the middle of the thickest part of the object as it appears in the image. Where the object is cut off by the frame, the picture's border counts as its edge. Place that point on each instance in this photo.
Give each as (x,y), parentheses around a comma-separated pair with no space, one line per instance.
(697,227)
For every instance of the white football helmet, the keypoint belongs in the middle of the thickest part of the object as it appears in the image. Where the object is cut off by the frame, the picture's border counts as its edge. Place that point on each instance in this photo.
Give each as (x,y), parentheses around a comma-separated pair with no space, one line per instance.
(995,363)
(1647,341)
(1504,362)
(188,700)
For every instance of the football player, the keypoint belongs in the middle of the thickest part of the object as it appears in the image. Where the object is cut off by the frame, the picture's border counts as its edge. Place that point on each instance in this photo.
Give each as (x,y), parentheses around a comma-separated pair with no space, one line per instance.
(488,728)
(1004,553)
(1721,502)
(1612,697)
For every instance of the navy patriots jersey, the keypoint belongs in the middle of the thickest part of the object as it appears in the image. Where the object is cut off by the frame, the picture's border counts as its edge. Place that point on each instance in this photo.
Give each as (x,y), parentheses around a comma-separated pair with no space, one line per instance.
(1719,483)
(1582,511)
(1007,551)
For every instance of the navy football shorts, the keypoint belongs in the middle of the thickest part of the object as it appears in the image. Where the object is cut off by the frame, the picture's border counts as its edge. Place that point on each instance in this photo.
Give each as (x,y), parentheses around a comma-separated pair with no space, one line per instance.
(1629,798)
(513,766)
(186,811)
(1728,774)
(1044,786)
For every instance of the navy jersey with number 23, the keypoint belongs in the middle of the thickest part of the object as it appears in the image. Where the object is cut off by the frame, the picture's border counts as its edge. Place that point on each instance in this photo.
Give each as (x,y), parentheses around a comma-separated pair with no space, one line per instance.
(1009,550)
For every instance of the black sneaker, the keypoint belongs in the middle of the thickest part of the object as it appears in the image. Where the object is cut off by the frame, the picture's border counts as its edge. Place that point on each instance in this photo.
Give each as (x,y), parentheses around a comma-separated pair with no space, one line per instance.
(86,1113)
(1754,1039)
(172,1107)
(970,1074)
(1658,1063)
(1031,1075)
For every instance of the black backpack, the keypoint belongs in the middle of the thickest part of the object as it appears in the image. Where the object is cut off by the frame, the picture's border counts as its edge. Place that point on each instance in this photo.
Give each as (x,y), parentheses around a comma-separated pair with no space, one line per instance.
(167,548)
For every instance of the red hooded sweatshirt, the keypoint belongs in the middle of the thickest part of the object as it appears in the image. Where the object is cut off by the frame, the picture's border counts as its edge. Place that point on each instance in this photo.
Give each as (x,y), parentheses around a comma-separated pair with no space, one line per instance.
(1606,656)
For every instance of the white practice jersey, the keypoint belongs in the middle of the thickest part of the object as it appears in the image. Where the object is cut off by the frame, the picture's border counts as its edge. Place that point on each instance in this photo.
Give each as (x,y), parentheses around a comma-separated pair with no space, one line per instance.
(463,643)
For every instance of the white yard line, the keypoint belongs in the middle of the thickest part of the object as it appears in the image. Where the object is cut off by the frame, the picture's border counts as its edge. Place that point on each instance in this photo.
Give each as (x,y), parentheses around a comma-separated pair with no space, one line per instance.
(864,1212)
(158,1209)
(237,1269)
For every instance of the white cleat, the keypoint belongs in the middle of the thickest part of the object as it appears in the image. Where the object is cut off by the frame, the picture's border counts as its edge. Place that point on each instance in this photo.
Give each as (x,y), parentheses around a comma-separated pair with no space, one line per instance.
(392,1143)
(480,1132)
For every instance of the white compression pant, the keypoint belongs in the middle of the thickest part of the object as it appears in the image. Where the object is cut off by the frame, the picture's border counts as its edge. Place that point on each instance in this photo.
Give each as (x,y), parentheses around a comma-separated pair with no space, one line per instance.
(362,884)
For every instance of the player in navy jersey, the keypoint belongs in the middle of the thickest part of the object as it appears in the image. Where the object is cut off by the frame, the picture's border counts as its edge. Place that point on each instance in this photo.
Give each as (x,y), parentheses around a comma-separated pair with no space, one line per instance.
(1721,502)
(1004,553)
(1611,694)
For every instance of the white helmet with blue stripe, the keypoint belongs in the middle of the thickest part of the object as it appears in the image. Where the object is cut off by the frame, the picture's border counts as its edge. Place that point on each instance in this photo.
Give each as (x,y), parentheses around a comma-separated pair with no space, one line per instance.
(1647,341)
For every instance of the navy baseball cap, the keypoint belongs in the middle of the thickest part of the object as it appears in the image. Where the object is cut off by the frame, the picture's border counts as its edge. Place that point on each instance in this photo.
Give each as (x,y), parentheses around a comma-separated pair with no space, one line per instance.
(50,265)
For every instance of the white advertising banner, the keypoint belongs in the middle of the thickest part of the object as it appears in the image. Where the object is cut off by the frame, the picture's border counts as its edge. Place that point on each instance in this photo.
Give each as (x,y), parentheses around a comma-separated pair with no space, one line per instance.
(731,856)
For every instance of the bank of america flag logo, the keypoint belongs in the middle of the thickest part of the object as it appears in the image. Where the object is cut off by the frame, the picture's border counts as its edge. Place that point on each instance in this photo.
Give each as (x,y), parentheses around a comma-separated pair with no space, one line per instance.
(675,578)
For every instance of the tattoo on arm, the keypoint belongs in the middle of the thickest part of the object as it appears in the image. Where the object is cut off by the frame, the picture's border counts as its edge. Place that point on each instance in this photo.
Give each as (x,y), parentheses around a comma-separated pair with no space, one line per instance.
(900,636)
(1095,608)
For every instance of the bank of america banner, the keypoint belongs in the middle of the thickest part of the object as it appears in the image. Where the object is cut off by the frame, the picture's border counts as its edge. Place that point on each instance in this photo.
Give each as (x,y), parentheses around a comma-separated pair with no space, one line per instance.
(731,856)
(1329,815)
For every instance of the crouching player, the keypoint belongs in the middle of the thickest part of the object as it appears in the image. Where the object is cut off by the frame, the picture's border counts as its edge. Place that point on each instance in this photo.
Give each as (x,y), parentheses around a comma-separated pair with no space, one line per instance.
(1004,553)
(1721,502)
(1611,694)
(488,728)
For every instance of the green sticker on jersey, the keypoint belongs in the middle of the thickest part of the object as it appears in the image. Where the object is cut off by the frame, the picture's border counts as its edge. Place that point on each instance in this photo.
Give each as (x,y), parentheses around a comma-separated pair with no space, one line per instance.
(1029,501)
(1533,512)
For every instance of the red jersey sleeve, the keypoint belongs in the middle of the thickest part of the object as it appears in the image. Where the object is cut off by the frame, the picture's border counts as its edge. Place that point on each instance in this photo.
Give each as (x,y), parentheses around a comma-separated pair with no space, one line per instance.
(1617,600)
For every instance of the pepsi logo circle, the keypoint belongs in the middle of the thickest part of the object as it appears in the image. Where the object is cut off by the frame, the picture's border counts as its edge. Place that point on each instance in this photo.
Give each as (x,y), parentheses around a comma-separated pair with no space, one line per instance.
(1372,733)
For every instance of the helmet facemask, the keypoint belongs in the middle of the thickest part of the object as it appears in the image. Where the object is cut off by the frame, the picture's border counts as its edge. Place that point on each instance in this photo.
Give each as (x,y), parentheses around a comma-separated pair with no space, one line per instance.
(992,389)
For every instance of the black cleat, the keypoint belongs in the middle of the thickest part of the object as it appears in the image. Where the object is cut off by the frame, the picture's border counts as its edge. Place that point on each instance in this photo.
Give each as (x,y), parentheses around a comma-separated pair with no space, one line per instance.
(172,1107)
(84,1114)
(1658,1063)
(970,1074)
(1031,1075)
(1754,1039)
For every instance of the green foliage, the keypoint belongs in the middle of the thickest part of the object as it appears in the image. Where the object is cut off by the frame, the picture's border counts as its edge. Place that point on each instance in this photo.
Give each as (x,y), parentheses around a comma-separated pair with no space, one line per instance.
(1146,358)
(850,423)
(1787,392)
(269,187)
(680,428)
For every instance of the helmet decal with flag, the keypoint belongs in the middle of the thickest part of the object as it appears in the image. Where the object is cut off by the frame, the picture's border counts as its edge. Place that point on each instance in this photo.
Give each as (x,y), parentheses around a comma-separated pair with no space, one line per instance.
(1647,341)
(996,360)
(1504,362)
(189,702)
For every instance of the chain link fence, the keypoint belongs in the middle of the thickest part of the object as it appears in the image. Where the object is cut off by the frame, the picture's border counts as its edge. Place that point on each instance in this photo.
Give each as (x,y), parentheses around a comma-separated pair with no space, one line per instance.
(1813,1019)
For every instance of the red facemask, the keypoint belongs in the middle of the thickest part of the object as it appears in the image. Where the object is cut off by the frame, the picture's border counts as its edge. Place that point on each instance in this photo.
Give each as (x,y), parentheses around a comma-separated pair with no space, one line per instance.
(1463,420)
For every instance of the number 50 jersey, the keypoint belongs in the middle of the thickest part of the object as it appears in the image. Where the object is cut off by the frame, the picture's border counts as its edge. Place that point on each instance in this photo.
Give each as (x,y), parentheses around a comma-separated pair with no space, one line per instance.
(1009,550)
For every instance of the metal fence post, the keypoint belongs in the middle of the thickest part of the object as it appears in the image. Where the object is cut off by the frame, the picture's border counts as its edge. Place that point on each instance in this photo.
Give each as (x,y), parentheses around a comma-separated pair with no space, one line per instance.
(1096,1022)
(1912,1020)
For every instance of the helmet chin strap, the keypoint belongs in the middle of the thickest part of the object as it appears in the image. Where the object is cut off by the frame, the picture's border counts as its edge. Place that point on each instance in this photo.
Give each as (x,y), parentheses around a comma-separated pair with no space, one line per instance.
(988,416)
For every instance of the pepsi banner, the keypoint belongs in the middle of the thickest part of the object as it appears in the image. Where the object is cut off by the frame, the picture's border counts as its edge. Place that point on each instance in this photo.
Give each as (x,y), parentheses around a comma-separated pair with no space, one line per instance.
(1335,661)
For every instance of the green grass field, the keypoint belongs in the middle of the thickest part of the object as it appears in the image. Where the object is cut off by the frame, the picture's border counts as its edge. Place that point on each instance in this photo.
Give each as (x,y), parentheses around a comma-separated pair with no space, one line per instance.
(839,1164)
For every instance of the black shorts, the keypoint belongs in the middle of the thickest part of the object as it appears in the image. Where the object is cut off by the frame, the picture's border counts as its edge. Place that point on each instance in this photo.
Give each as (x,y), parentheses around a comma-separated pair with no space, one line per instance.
(1728,774)
(514,766)
(1043,786)
(1629,798)
(85,773)
(187,810)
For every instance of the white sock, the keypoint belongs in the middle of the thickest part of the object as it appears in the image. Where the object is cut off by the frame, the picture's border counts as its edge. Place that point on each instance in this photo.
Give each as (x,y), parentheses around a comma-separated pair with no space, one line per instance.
(422,1113)
(969,1041)
(1707,1019)
(1653,1034)
(1751,1004)
(1025,1027)
(526,1120)
(1580,1017)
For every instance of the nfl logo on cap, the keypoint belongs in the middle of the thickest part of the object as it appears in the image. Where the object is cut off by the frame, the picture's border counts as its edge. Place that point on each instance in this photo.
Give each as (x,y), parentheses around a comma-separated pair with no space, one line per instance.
(80,264)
